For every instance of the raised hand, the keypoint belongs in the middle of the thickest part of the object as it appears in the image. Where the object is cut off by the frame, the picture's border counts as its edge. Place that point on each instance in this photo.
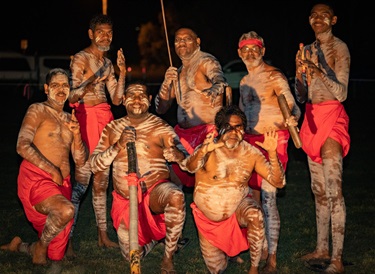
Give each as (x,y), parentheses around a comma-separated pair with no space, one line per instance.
(121,61)
(270,140)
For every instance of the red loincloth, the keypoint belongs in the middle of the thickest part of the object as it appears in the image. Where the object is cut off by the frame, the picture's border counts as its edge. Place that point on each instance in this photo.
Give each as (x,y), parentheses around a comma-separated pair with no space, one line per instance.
(327,119)
(225,235)
(92,120)
(150,226)
(190,138)
(255,181)
(34,186)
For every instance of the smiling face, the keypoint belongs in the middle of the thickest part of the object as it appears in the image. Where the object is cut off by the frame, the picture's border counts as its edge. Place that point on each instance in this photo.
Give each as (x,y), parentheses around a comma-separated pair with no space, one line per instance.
(58,89)
(322,18)
(136,100)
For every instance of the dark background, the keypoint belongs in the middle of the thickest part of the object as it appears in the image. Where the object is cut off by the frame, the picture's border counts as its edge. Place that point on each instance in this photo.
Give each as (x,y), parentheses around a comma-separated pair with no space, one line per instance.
(60,27)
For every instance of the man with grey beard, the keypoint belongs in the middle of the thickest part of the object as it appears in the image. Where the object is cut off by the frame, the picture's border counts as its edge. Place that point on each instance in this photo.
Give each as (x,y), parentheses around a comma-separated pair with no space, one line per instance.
(93,75)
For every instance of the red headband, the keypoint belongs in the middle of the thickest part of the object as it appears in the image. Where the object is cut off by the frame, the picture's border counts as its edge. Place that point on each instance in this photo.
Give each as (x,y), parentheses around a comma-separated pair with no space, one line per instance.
(250,41)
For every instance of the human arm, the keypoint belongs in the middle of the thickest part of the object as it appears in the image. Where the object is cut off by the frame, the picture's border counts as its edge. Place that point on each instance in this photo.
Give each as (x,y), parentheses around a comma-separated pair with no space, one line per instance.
(199,157)
(109,147)
(271,170)
(116,88)
(79,149)
(167,93)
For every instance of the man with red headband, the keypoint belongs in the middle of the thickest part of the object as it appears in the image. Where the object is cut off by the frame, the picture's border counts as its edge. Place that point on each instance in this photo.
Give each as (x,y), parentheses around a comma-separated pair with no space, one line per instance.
(259,91)
(198,87)
(322,76)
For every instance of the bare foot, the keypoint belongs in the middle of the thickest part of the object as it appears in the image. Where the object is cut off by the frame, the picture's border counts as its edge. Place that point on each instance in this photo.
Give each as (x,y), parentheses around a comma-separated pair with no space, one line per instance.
(316,255)
(104,241)
(69,250)
(39,253)
(13,245)
(264,255)
(236,259)
(253,270)
(334,268)
(269,269)
(167,266)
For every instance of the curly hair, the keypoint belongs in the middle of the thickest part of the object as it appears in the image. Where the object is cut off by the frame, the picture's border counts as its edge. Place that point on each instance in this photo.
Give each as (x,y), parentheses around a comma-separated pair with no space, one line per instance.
(100,19)
(223,115)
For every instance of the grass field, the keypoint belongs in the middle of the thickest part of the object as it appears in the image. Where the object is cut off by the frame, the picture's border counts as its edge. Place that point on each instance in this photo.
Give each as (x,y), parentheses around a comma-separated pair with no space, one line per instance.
(296,206)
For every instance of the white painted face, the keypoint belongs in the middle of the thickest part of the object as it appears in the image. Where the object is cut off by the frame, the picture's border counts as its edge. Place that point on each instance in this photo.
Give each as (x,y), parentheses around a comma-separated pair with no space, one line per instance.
(103,36)
(136,99)
(58,89)
(233,132)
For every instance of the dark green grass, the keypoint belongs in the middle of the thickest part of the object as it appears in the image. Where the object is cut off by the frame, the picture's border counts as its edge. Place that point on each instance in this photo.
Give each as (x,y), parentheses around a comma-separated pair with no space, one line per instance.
(296,206)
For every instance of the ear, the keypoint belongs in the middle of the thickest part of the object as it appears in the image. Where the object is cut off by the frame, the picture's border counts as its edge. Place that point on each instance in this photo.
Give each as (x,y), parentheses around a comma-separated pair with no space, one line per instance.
(91,34)
(263,50)
(45,88)
(198,41)
(239,53)
(334,20)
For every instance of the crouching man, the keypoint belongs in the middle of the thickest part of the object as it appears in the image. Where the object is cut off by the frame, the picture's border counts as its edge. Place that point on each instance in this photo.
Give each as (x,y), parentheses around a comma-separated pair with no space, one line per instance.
(228,219)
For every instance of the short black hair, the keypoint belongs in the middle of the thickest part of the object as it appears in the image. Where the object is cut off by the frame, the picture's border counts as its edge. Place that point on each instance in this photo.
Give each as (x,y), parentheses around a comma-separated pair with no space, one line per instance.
(100,19)
(54,72)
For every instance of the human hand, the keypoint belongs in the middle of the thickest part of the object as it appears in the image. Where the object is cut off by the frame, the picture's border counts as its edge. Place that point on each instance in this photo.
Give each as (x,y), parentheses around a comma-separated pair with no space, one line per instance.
(121,61)
(291,121)
(171,75)
(73,124)
(270,140)
(173,154)
(209,143)
(127,135)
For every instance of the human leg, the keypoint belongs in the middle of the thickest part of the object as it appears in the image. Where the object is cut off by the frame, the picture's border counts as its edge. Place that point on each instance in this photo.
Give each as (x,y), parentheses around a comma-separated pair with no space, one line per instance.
(99,201)
(272,223)
(333,168)
(249,214)
(322,212)
(169,199)
(82,180)
(60,213)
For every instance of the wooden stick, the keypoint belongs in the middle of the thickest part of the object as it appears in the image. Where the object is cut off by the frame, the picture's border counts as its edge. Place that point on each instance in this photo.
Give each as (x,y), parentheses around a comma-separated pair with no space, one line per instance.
(286,114)
(135,259)
(175,86)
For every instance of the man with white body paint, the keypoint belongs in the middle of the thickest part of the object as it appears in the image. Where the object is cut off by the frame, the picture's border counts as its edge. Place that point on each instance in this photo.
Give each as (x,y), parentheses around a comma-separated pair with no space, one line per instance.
(92,75)
(161,210)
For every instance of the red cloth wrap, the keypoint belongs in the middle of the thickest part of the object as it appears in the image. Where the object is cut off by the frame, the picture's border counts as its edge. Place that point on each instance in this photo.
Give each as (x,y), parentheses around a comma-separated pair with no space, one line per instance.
(255,181)
(250,41)
(226,235)
(92,120)
(34,186)
(150,226)
(190,138)
(327,119)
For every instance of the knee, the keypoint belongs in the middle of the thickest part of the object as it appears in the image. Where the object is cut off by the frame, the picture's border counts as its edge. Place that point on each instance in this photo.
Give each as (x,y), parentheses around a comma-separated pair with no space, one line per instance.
(177,199)
(67,212)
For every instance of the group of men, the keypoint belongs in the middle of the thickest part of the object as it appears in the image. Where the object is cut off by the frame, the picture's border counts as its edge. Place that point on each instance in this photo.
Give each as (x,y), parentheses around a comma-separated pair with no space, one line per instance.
(235,157)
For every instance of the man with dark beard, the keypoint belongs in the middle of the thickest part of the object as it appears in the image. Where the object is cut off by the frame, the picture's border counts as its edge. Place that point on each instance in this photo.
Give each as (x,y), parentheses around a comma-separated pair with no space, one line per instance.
(92,75)
(222,202)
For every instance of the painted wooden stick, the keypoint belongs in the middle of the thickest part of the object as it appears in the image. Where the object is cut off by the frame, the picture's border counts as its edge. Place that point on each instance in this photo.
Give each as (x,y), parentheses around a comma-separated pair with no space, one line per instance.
(286,114)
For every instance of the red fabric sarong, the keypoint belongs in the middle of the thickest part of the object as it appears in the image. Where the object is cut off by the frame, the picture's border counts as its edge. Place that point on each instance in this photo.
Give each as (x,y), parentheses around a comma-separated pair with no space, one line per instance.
(150,226)
(92,120)
(190,138)
(34,186)
(327,119)
(255,181)
(226,235)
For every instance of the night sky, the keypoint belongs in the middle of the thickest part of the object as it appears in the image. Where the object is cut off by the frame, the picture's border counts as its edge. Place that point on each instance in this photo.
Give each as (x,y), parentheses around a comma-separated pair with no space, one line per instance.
(53,29)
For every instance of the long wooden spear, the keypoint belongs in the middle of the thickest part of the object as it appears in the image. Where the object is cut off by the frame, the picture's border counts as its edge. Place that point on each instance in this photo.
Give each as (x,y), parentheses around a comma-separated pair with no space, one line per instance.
(175,86)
